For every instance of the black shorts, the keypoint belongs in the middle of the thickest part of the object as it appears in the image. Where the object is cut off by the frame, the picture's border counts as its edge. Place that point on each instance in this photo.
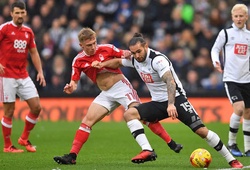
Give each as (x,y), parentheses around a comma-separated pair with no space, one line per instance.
(238,92)
(155,111)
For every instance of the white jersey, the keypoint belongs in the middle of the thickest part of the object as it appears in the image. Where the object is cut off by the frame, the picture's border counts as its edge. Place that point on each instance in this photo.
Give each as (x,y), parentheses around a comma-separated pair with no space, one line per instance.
(236,54)
(151,72)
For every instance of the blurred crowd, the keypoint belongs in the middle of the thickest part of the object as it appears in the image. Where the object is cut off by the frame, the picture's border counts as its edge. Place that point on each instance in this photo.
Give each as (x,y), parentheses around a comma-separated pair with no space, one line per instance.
(184,30)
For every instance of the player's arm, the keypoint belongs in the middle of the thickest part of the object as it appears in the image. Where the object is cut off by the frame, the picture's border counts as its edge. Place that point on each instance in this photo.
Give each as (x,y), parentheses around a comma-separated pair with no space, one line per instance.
(162,66)
(216,49)
(37,63)
(113,63)
(71,87)
(171,86)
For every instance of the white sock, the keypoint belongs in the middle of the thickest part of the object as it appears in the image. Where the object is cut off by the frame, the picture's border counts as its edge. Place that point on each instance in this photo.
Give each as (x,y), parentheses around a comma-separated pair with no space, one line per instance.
(246,130)
(135,126)
(234,124)
(214,141)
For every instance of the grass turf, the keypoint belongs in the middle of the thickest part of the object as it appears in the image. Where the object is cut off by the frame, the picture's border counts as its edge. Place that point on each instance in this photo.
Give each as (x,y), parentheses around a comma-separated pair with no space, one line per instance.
(110,147)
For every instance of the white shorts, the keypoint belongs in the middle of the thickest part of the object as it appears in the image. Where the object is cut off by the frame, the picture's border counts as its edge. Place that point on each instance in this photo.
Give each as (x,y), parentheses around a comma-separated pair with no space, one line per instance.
(121,93)
(10,87)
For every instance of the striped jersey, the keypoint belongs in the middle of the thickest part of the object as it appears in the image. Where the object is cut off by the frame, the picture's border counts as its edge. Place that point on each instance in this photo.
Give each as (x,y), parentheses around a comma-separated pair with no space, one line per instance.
(151,72)
(235,47)
(82,62)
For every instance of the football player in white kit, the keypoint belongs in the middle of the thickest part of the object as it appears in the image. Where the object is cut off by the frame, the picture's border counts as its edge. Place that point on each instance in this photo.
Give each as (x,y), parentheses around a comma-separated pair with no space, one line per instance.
(167,94)
(234,42)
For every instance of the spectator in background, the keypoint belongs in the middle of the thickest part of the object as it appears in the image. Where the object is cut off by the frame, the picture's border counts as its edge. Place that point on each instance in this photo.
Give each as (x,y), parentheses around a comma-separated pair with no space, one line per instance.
(39,30)
(56,31)
(86,14)
(191,83)
(108,9)
(234,42)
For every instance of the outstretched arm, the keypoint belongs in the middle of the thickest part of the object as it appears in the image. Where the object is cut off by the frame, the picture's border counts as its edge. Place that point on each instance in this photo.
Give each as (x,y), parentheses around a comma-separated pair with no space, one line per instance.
(113,63)
(71,87)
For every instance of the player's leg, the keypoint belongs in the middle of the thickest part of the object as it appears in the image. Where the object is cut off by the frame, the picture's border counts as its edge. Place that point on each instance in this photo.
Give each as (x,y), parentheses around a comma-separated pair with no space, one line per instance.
(27,91)
(95,113)
(236,99)
(7,127)
(132,118)
(215,142)
(157,129)
(188,116)
(246,131)
(9,97)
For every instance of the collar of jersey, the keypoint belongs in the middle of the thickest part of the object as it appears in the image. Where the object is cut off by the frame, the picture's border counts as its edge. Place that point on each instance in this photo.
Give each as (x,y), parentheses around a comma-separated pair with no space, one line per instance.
(236,28)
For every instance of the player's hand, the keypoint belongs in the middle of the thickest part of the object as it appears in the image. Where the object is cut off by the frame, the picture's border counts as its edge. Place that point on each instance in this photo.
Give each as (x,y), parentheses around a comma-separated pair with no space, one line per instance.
(126,54)
(96,64)
(172,112)
(68,88)
(41,79)
(218,67)
(2,69)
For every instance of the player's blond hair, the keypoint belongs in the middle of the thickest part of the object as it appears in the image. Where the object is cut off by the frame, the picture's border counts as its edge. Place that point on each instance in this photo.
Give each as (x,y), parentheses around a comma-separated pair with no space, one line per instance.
(86,34)
(241,7)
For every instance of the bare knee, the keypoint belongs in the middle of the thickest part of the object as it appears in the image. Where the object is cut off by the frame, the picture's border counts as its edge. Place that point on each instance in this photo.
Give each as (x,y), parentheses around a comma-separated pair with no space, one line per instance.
(131,114)
(202,132)
(36,109)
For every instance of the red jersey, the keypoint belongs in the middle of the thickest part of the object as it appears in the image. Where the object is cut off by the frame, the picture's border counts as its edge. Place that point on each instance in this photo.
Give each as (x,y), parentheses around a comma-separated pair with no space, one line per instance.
(82,62)
(15,43)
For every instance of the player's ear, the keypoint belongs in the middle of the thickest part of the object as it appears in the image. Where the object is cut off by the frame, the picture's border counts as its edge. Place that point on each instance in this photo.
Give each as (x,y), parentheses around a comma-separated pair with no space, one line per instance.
(80,44)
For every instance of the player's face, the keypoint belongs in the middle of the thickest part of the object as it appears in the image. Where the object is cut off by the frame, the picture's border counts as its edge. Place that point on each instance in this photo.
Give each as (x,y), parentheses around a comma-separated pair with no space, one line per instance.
(139,51)
(239,18)
(89,46)
(18,16)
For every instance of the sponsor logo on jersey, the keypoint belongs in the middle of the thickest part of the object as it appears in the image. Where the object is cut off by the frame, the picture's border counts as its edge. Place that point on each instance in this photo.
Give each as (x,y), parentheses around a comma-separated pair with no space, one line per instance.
(147,78)
(20,45)
(26,35)
(240,49)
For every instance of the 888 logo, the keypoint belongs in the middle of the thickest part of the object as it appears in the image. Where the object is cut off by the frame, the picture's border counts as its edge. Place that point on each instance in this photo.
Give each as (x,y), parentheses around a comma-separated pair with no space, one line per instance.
(20,45)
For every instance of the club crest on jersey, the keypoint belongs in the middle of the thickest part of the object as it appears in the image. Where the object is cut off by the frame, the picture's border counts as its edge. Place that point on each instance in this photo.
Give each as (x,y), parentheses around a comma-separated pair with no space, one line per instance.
(240,49)
(101,57)
(26,35)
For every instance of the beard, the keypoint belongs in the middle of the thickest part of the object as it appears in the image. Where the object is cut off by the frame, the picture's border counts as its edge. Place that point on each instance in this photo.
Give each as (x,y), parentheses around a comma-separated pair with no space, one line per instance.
(19,21)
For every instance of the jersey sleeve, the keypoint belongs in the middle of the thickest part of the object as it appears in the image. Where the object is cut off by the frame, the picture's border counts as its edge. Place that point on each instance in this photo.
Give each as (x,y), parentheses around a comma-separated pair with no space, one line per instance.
(2,32)
(127,63)
(217,47)
(161,65)
(32,40)
(76,71)
(116,52)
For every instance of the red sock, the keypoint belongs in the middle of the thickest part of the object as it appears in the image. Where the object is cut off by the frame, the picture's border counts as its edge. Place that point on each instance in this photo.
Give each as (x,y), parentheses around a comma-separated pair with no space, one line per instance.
(158,130)
(30,122)
(82,135)
(6,129)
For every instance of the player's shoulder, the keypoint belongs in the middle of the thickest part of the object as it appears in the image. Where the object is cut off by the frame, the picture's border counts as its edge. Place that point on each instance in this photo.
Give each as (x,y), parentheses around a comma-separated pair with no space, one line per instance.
(105,45)
(26,28)
(5,25)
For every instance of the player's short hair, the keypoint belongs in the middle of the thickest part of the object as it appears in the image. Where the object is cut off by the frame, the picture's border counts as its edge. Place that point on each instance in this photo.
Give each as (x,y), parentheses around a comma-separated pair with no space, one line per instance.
(240,6)
(86,34)
(138,37)
(18,4)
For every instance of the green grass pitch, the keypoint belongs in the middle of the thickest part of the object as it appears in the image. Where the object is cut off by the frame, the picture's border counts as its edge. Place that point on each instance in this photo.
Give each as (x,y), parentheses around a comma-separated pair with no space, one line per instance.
(110,147)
